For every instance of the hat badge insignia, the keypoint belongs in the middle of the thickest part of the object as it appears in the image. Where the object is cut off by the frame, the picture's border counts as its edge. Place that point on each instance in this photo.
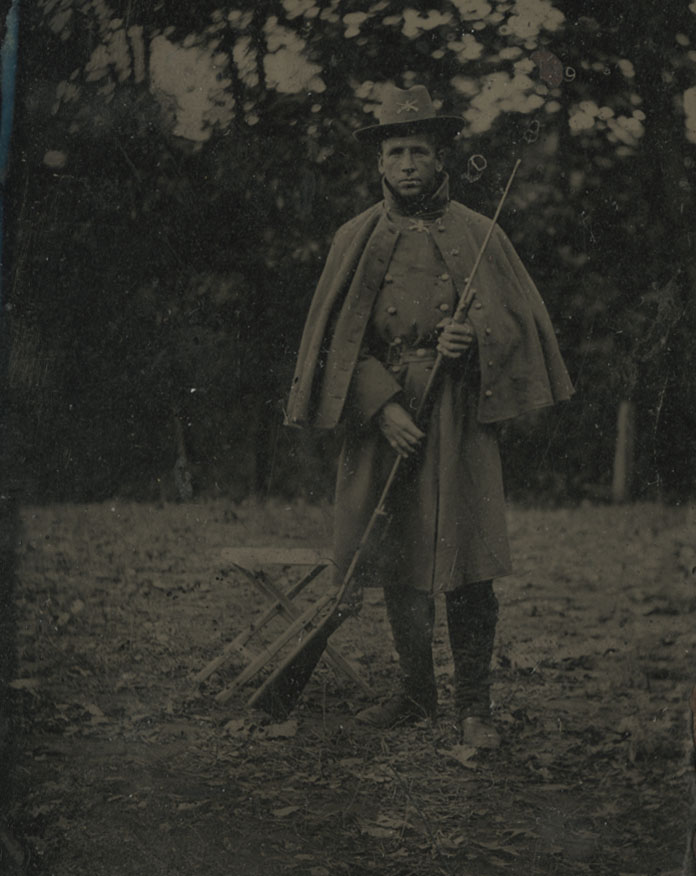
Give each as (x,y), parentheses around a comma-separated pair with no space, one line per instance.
(407,106)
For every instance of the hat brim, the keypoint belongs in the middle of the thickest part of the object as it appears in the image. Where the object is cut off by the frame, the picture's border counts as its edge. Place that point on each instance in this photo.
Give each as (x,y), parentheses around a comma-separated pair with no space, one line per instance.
(446,127)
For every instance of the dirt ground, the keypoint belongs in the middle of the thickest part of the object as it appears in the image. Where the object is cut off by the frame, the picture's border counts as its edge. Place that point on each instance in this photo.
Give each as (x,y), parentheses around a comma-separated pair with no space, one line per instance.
(125,766)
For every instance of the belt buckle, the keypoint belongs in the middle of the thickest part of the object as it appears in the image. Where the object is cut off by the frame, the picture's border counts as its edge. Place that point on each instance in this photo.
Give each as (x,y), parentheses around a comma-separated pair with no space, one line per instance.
(394,351)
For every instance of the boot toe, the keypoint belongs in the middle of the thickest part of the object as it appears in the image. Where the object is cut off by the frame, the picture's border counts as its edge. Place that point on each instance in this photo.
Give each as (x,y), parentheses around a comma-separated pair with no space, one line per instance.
(397,711)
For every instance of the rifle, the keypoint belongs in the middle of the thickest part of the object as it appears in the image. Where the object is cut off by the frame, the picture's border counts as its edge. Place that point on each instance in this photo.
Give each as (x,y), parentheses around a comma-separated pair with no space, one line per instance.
(282,689)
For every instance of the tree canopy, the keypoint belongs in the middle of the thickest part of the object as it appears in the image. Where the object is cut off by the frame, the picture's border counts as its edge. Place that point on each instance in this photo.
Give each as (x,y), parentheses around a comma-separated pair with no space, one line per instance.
(180,170)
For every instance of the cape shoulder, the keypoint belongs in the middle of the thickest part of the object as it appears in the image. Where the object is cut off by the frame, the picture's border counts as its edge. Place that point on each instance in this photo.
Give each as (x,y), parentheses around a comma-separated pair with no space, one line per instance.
(478,221)
(353,226)
(460,212)
(339,268)
(534,374)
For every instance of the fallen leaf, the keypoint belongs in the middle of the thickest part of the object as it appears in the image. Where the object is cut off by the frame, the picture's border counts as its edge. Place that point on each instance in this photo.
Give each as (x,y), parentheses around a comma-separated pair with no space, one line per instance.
(24,684)
(285,811)
(400,853)
(189,807)
(513,833)
(379,832)
(450,845)
(349,762)
(392,823)
(461,753)
(286,730)
(496,847)
(236,727)
(374,776)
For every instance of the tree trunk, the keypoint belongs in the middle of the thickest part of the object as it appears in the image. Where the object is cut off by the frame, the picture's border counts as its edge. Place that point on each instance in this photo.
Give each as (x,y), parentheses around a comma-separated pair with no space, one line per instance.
(182,470)
(624,452)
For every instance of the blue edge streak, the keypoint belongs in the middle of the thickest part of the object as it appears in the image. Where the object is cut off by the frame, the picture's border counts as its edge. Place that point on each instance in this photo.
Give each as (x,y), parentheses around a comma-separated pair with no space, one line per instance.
(8,72)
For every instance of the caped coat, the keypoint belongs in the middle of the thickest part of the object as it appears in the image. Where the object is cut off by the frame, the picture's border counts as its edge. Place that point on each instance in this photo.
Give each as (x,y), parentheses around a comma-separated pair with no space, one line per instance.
(448,525)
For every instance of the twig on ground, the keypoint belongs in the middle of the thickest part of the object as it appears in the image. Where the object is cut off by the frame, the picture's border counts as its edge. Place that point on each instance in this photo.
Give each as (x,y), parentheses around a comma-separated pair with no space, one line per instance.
(426,823)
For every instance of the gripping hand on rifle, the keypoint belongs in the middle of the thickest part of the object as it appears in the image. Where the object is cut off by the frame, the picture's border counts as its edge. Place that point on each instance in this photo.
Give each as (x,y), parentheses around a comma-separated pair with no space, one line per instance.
(399,429)
(455,338)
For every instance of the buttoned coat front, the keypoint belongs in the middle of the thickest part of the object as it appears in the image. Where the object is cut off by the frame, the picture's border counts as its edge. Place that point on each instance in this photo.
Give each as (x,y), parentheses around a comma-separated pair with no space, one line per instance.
(448,517)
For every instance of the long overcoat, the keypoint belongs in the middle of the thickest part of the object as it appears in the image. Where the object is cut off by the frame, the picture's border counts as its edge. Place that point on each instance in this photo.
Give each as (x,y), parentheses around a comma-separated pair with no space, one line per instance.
(447,523)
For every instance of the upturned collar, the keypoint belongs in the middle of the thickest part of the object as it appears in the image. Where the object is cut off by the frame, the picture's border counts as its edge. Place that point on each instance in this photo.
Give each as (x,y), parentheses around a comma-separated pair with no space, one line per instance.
(430,206)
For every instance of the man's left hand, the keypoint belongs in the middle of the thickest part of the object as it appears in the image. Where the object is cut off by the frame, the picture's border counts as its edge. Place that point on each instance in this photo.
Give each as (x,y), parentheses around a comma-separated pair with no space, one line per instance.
(455,338)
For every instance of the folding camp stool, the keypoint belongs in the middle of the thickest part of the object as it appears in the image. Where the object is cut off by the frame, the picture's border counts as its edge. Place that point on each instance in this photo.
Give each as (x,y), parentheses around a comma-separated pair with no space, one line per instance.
(250,562)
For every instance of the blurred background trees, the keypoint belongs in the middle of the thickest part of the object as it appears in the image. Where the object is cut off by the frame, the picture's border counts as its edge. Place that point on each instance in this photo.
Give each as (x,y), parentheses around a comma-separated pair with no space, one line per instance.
(179,170)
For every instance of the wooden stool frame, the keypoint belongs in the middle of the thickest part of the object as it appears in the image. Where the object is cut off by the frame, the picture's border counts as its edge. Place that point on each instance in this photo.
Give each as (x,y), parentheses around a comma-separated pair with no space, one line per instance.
(249,562)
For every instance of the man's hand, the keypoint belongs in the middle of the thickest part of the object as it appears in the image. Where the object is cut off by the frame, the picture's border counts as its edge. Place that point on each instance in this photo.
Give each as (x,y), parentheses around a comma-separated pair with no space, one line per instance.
(455,338)
(399,429)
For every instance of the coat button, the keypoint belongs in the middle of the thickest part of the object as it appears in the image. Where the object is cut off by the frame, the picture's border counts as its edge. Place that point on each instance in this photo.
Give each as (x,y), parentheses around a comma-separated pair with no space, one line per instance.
(488,393)
(455,251)
(397,341)
(478,305)
(488,331)
(444,307)
(391,310)
(388,278)
(490,363)
(396,368)
(421,351)
(444,276)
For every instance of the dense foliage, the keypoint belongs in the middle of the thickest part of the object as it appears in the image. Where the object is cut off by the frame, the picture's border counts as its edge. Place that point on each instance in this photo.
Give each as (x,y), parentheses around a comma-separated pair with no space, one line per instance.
(179,170)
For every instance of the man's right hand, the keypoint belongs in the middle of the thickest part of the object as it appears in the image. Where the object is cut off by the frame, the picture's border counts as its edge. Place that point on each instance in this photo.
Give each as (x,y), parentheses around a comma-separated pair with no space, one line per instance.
(399,429)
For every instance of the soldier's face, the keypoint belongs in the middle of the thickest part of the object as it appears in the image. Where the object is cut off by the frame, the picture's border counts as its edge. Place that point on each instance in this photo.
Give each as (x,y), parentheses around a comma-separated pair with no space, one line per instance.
(410,165)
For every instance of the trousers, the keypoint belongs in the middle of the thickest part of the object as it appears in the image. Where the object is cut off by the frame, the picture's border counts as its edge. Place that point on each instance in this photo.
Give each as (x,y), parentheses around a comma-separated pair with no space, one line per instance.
(472,614)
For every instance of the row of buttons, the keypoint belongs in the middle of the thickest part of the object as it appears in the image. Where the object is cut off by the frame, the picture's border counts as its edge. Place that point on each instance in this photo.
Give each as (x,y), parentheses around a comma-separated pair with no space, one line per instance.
(444,307)
(389,278)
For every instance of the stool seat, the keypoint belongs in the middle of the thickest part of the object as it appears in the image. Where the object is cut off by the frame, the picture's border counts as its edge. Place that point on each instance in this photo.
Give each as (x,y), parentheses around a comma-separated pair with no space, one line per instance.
(250,557)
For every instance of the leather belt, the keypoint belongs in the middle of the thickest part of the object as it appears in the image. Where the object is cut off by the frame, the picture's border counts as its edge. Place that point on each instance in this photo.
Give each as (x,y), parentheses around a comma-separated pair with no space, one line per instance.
(397,355)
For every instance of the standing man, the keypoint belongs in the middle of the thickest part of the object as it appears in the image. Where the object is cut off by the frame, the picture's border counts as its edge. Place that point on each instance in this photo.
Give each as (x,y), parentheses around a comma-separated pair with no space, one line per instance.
(381,313)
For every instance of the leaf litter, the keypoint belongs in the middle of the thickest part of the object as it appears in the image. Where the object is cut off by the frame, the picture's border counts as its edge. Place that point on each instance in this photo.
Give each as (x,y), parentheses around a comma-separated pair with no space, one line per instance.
(591,674)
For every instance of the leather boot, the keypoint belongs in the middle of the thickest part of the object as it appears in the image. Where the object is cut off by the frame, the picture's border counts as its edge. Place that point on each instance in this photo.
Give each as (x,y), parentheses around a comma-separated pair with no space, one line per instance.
(411,615)
(472,613)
